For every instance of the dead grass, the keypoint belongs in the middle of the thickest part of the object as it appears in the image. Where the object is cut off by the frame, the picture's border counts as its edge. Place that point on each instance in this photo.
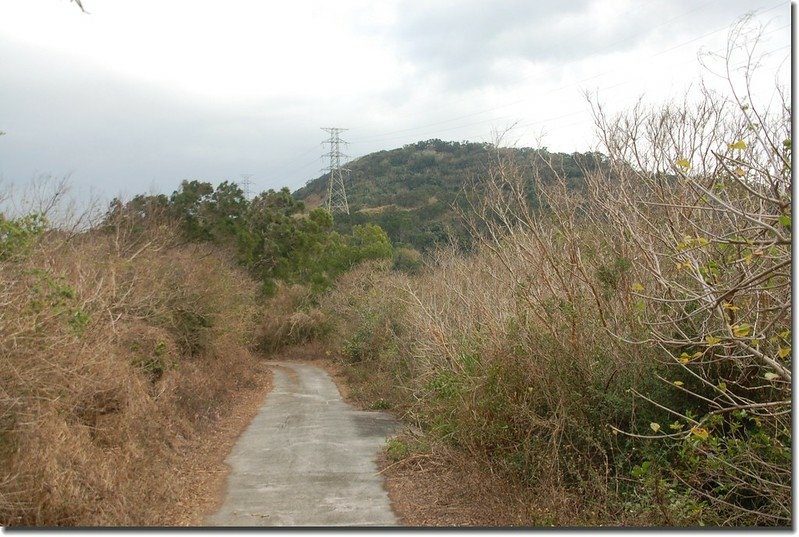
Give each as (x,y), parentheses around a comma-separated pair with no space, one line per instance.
(504,355)
(202,472)
(118,352)
(446,488)
(287,319)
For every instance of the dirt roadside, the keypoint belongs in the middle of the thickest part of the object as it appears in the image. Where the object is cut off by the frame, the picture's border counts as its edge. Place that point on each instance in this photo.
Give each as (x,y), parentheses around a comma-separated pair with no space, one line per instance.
(202,471)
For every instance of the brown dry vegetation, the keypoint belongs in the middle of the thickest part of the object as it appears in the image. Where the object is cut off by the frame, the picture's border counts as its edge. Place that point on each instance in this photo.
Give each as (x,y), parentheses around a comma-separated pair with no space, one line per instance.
(118,348)
(626,345)
(289,319)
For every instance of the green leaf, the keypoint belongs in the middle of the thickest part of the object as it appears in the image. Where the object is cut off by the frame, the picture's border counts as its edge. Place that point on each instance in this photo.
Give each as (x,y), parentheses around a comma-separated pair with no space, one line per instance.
(783,352)
(637,287)
(771,376)
(740,144)
(712,340)
(785,220)
(741,330)
(700,432)
(640,471)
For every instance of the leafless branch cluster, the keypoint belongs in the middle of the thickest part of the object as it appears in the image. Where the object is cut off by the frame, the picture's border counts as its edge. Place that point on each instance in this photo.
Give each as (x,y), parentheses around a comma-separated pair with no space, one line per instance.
(701,192)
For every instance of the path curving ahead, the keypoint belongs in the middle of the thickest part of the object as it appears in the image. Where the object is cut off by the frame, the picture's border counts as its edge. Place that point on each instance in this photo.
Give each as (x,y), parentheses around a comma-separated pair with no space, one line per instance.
(307,459)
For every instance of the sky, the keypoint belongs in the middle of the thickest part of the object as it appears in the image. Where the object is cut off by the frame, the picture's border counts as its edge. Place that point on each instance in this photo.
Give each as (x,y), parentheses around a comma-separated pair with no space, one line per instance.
(137,95)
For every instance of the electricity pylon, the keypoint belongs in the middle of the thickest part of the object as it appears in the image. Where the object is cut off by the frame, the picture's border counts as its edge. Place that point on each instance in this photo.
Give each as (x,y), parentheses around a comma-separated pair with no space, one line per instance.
(336,195)
(246,185)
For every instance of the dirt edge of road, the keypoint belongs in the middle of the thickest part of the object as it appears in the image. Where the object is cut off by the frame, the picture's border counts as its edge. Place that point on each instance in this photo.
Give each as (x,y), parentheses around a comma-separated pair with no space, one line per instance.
(445,488)
(202,473)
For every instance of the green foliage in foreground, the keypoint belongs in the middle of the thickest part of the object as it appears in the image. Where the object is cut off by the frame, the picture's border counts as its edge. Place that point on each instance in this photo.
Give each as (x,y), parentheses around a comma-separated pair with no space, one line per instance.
(272,235)
(17,235)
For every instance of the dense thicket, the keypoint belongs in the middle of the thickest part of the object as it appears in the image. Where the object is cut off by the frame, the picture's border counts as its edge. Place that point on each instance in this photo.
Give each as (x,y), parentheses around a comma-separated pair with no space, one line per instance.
(624,348)
(117,346)
(122,341)
(272,235)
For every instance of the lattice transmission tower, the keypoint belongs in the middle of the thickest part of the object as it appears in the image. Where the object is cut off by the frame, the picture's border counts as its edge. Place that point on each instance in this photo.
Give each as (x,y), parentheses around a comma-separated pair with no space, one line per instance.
(246,185)
(336,194)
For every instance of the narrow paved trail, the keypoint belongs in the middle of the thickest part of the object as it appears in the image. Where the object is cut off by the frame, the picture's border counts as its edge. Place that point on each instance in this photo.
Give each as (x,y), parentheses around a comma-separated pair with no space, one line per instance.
(307,459)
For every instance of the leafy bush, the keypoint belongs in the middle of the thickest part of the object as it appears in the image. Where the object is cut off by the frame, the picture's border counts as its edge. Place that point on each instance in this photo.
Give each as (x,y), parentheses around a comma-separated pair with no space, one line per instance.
(272,235)
(17,235)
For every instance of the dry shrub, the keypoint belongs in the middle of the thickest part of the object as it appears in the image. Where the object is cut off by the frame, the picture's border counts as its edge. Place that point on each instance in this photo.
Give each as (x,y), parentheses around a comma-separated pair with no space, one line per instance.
(289,318)
(367,311)
(506,352)
(627,344)
(116,345)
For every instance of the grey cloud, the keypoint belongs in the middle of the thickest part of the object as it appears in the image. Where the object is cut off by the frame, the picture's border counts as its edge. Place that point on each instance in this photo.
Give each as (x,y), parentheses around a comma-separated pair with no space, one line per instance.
(123,137)
(463,42)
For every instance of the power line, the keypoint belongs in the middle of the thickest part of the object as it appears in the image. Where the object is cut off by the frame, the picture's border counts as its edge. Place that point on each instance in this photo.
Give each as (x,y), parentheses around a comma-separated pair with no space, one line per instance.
(387,136)
(287,164)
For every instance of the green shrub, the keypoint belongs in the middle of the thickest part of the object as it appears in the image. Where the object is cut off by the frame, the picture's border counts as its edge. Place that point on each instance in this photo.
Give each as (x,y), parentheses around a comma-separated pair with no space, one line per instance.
(18,235)
(407,260)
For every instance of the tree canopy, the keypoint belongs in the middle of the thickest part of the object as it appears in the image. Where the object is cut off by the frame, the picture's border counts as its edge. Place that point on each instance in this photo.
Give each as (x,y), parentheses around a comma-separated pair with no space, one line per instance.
(272,235)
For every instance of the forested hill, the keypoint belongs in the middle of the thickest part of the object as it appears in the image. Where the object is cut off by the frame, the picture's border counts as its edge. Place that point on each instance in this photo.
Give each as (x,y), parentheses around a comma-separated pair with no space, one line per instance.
(410,191)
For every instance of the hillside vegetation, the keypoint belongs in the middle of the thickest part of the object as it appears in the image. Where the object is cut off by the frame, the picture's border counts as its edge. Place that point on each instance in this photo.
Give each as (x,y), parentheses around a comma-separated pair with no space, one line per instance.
(622,349)
(417,193)
(122,342)
(272,235)
(117,347)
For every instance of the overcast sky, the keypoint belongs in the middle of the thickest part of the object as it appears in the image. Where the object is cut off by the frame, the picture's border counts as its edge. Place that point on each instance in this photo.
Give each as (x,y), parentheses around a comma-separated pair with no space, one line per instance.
(139,94)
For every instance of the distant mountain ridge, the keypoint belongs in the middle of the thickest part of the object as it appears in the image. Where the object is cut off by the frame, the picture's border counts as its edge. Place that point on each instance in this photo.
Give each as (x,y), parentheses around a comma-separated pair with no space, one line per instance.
(410,191)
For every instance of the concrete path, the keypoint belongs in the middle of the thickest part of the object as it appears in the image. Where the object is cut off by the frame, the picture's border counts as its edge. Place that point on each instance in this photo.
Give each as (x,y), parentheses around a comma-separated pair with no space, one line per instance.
(307,459)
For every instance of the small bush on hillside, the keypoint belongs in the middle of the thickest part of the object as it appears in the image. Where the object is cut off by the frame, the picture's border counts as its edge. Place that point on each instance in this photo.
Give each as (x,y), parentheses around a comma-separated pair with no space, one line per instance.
(17,235)
(407,260)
